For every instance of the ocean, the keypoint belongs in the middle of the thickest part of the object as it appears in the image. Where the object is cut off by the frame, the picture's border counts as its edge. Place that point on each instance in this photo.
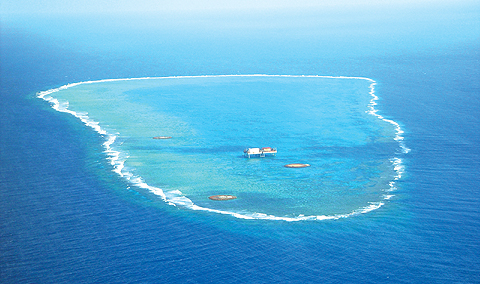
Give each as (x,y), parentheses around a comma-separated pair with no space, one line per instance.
(383,106)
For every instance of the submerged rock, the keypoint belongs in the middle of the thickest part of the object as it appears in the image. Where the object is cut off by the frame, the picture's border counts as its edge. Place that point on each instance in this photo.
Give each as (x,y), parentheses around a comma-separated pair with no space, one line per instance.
(297,165)
(222,197)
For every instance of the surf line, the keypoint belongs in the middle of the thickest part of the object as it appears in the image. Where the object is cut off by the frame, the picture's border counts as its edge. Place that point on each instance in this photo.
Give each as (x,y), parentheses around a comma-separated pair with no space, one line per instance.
(175,197)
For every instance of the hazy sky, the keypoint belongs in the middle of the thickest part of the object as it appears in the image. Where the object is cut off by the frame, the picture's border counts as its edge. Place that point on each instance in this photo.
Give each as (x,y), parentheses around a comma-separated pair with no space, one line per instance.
(324,24)
(102,6)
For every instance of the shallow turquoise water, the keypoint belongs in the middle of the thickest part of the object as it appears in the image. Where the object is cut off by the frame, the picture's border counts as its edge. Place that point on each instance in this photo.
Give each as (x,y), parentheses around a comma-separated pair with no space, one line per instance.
(328,122)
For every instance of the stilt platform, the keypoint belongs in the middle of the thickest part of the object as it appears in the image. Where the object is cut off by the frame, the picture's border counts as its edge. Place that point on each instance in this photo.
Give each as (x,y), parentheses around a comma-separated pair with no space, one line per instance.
(259,152)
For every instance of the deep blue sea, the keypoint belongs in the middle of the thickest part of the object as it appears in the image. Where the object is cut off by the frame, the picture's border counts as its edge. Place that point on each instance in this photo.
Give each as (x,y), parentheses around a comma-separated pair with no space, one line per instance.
(382,103)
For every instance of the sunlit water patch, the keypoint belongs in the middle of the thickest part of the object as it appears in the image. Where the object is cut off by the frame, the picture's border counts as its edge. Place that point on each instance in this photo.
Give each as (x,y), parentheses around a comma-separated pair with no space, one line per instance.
(330,123)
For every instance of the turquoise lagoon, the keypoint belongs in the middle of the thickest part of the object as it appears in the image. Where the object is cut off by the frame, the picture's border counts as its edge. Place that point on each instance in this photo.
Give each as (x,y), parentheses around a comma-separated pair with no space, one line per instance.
(328,122)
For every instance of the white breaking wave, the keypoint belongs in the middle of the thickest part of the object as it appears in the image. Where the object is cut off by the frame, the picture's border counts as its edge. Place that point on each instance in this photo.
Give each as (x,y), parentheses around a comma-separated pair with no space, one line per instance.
(175,197)
(399,132)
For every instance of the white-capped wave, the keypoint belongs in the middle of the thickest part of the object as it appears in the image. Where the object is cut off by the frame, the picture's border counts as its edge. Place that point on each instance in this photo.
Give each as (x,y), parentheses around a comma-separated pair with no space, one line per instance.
(399,132)
(175,197)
